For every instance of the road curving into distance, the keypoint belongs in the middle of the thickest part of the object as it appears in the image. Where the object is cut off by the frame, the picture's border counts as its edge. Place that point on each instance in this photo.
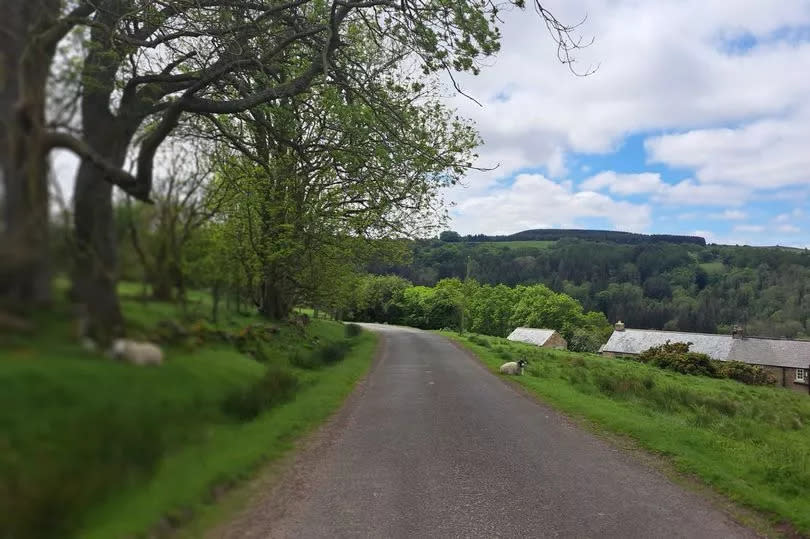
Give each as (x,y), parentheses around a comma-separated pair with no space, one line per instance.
(433,445)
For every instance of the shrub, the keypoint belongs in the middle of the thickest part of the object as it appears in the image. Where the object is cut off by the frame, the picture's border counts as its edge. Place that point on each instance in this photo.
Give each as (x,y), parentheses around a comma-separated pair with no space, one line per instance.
(333,352)
(677,357)
(480,341)
(275,387)
(353,330)
(745,373)
(504,353)
(302,360)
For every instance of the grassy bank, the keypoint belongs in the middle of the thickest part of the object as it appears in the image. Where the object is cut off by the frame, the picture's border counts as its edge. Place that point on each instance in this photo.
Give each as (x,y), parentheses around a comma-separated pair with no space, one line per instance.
(95,448)
(750,443)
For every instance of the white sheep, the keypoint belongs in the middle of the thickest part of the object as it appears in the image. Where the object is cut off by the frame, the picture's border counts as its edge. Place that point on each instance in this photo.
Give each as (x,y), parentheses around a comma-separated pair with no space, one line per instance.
(514,367)
(139,353)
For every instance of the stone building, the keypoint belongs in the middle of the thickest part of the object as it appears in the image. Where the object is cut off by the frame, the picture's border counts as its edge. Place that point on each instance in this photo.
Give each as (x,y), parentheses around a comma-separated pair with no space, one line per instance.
(787,360)
(547,338)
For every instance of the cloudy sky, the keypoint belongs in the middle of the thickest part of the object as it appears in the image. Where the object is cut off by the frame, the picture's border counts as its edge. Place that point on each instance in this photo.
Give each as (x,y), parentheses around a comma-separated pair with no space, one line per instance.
(696,122)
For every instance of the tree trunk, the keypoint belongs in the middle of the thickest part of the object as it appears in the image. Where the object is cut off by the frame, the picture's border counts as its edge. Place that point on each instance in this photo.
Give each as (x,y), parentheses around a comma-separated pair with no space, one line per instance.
(23,156)
(215,301)
(275,303)
(96,272)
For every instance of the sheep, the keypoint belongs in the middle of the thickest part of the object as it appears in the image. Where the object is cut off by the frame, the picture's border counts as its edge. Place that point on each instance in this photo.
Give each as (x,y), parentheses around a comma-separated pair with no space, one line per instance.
(139,353)
(514,367)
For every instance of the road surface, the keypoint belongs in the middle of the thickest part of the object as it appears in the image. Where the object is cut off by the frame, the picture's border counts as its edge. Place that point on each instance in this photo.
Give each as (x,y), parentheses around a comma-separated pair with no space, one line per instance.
(433,445)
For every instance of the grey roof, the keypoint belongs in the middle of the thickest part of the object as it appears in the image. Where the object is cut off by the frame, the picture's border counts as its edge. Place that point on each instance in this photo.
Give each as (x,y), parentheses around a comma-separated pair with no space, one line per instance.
(776,352)
(531,335)
(754,350)
(636,341)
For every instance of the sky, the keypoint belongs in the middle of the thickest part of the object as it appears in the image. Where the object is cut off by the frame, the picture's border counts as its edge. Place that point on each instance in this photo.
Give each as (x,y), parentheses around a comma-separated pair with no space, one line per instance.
(697,121)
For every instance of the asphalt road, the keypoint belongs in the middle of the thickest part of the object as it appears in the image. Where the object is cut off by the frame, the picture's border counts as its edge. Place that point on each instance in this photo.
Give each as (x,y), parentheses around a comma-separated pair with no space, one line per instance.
(435,446)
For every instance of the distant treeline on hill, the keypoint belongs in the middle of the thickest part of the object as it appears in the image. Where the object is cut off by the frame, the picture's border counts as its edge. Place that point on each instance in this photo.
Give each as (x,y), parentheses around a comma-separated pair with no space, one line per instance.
(550,234)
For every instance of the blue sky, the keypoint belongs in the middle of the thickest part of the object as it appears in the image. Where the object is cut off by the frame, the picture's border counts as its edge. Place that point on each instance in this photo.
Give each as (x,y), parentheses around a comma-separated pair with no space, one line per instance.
(696,122)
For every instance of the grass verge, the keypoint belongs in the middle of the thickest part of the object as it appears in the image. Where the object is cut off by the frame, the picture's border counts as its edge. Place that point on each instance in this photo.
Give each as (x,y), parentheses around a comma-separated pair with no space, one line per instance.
(96,448)
(750,443)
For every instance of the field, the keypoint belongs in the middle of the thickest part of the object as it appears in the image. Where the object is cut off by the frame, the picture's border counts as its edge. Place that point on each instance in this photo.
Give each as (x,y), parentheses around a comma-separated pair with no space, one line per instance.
(97,448)
(750,443)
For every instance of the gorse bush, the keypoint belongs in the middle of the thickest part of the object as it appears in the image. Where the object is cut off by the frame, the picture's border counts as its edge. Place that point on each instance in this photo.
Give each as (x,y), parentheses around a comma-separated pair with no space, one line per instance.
(745,373)
(677,357)
(353,330)
(275,387)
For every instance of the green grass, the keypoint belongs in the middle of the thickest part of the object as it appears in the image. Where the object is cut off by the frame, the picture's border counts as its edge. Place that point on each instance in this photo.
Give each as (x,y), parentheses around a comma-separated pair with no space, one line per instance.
(96,448)
(750,443)
(536,244)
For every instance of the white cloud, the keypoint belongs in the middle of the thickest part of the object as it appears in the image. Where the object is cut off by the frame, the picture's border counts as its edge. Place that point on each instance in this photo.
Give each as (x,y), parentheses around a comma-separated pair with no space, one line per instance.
(683,79)
(790,229)
(765,154)
(624,184)
(787,217)
(749,228)
(730,215)
(534,201)
(686,192)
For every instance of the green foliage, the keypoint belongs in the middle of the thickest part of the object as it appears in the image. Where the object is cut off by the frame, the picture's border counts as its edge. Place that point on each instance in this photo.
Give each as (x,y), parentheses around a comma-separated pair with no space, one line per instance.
(325,354)
(648,284)
(109,448)
(353,330)
(745,373)
(678,358)
(333,352)
(480,341)
(275,387)
(751,443)
(491,310)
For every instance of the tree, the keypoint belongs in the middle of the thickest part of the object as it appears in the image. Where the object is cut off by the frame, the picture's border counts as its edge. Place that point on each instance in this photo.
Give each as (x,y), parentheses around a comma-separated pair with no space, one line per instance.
(320,173)
(146,65)
(30,31)
(184,198)
(450,236)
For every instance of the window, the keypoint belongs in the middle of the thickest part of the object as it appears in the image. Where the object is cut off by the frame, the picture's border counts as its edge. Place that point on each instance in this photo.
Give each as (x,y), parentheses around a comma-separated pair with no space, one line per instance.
(801,375)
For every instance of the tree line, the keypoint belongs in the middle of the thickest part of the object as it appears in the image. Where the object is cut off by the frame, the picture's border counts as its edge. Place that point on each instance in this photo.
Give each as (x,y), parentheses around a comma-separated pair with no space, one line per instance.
(313,125)
(470,306)
(554,234)
(684,287)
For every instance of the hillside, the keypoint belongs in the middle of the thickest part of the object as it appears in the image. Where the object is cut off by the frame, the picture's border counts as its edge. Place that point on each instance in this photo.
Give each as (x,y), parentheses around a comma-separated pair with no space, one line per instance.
(684,285)
(554,234)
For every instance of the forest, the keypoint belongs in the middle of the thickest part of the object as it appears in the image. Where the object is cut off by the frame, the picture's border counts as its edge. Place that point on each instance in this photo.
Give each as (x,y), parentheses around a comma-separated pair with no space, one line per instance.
(554,234)
(655,285)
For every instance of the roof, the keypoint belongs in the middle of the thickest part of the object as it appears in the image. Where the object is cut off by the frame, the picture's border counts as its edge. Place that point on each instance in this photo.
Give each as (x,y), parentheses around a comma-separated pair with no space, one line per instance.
(753,350)
(531,335)
(776,352)
(636,341)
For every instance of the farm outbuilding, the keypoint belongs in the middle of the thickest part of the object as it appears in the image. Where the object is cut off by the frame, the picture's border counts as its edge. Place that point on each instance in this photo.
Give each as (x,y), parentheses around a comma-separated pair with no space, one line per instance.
(546,338)
(787,360)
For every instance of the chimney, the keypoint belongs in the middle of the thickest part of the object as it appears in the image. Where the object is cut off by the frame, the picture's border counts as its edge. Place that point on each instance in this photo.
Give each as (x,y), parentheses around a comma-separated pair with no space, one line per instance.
(737,332)
(619,326)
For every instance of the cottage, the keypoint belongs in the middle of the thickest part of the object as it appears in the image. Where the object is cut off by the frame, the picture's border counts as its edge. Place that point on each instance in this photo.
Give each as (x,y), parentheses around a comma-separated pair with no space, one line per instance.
(788,361)
(546,338)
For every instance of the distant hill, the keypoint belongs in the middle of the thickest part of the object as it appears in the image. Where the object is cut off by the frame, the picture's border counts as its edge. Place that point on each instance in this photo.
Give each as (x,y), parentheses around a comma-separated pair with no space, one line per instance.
(647,281)
(553,234)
